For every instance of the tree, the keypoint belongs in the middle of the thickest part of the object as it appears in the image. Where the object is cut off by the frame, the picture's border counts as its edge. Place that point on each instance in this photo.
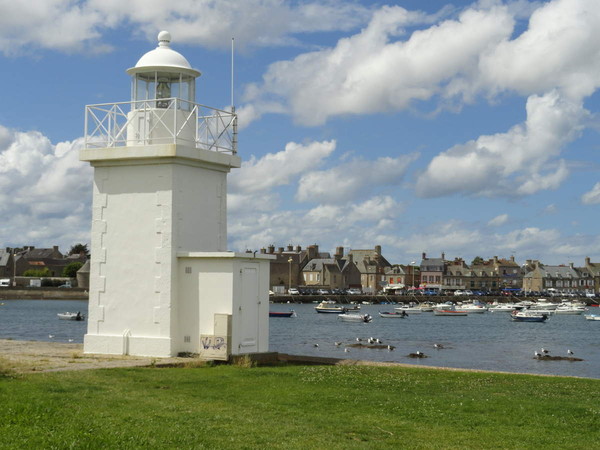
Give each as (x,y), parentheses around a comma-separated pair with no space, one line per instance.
(71,269)
(45,272)
(478,260)
(78,249)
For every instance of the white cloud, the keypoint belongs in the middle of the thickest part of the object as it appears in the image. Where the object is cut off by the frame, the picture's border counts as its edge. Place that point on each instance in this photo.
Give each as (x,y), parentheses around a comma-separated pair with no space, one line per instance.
(521,161)
(351,180)
(592,197)
(41,24)
(559,50)
(498,220)
(369,73)
(277,169)
(44,189)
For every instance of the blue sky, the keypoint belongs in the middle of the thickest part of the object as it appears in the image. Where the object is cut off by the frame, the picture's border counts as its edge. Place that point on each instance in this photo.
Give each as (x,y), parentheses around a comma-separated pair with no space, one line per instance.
(469,128)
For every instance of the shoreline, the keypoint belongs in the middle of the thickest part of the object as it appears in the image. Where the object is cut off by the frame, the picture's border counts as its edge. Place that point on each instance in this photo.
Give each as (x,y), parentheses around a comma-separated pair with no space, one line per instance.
(43,356)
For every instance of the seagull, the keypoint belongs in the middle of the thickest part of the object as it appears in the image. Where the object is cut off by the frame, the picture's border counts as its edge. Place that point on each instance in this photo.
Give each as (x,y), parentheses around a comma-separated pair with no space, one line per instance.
(438,346)
(390,347)
(378,341)
(316,345)
(50,336)
(537,354)
(569,352)
(337,344)
(419,353)
(70,340)
(544,350)
(358,339)
(346,350)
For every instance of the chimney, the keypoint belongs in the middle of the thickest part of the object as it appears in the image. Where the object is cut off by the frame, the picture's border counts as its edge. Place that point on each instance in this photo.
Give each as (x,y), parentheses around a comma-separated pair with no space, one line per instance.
(512,258)
(339,252)
(263,250)
(495,259)
(350,257)
(443,256)
(290,248)
(571,265)
(378,250)
(587,261)
(271,249)
(424,255)
(280,250)
(298,248)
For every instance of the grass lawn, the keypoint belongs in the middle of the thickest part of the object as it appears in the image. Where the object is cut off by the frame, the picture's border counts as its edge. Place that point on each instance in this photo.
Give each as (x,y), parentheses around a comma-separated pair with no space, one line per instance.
(297,407)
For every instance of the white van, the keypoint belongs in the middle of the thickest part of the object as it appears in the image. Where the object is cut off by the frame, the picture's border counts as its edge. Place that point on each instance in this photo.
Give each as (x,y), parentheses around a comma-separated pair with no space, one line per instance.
(5,282)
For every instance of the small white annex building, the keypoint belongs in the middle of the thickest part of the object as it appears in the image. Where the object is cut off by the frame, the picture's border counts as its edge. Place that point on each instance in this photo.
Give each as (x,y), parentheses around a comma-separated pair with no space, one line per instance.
(161,282)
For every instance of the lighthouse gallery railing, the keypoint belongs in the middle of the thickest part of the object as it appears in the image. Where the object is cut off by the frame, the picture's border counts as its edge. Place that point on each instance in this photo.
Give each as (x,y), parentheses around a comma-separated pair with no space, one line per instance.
(173,121)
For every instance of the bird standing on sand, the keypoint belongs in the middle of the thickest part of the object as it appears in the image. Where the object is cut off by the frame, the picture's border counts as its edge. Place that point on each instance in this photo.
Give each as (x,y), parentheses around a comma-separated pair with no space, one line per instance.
(419,353)
(337,344)
(537,354)
(390,347)
(544,350)
(358,339)
(569,352)
(346,350)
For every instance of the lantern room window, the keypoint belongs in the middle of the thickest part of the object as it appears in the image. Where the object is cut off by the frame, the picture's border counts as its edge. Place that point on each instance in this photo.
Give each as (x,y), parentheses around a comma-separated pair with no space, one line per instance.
(161,87)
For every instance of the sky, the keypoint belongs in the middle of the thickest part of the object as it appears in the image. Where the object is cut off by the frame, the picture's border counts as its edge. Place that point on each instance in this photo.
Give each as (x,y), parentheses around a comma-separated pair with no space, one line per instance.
(469,128)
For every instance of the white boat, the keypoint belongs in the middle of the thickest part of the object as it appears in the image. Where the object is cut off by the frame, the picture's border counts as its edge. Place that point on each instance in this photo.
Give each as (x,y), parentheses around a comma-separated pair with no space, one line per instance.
(409,309)
(366,318)
(449,311)
(70,316)
(331,307)
(569,309)
(393,315)
(472,308)
(592,317)
(543,304)
(503,307)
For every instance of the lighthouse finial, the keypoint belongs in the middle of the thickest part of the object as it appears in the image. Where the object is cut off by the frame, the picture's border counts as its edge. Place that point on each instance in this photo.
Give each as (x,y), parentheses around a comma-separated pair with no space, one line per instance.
(164,39)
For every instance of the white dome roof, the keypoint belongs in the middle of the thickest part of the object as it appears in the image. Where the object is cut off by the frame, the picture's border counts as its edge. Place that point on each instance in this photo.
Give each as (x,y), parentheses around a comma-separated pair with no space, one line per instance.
(163,58)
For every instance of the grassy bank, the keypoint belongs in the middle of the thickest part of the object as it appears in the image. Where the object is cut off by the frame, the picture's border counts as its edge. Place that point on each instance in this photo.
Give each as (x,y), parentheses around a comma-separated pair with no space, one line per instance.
(297,407)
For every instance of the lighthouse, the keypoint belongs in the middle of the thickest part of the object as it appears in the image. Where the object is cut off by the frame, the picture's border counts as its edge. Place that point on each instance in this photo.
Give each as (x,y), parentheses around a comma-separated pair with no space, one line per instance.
(161,280)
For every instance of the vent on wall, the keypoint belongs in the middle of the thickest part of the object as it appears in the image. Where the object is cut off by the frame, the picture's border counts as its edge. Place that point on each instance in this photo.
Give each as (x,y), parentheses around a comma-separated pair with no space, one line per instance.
(188,270)
(187,339)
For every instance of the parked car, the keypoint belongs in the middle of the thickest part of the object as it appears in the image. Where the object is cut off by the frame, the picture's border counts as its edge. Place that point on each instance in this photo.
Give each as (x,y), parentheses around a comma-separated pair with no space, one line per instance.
(459,292)
(323,292)
(354,291)
(293,291)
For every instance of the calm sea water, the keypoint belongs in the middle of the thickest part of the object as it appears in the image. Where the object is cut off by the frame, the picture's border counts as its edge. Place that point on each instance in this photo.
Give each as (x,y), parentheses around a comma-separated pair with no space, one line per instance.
(489,341)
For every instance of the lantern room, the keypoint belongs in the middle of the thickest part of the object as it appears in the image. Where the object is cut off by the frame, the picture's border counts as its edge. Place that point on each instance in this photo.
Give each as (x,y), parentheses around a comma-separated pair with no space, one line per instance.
(163,74)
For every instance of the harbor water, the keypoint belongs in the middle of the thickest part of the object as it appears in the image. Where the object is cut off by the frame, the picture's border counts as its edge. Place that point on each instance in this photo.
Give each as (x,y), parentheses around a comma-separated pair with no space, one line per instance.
(489,341)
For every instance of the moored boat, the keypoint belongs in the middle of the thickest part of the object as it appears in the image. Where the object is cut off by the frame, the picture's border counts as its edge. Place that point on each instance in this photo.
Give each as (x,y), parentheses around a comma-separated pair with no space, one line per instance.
(528,315)
(70,316)
(569,309)
(592,317)
(393,315)
(331,307)
(409,309)
(366,318)
(290,313)
(449,312)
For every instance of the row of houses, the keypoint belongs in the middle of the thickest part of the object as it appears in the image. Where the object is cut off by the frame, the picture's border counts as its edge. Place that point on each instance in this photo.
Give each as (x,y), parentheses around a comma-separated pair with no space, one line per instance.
(15,262)
(370,271)
(366,269)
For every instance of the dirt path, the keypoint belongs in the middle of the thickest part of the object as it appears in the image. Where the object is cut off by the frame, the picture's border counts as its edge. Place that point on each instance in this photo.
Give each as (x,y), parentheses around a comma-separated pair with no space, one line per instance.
(34,356)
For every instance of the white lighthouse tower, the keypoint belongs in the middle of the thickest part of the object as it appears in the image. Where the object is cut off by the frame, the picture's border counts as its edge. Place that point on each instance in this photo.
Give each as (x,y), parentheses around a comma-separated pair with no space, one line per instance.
(161,282)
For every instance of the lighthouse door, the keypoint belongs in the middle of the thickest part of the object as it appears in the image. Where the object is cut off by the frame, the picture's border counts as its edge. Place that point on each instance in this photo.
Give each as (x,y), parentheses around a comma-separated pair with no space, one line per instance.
(249,308)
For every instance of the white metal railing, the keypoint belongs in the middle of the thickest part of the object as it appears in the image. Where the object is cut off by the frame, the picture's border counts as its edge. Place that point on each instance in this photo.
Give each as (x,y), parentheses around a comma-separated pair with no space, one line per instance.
(162,121)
